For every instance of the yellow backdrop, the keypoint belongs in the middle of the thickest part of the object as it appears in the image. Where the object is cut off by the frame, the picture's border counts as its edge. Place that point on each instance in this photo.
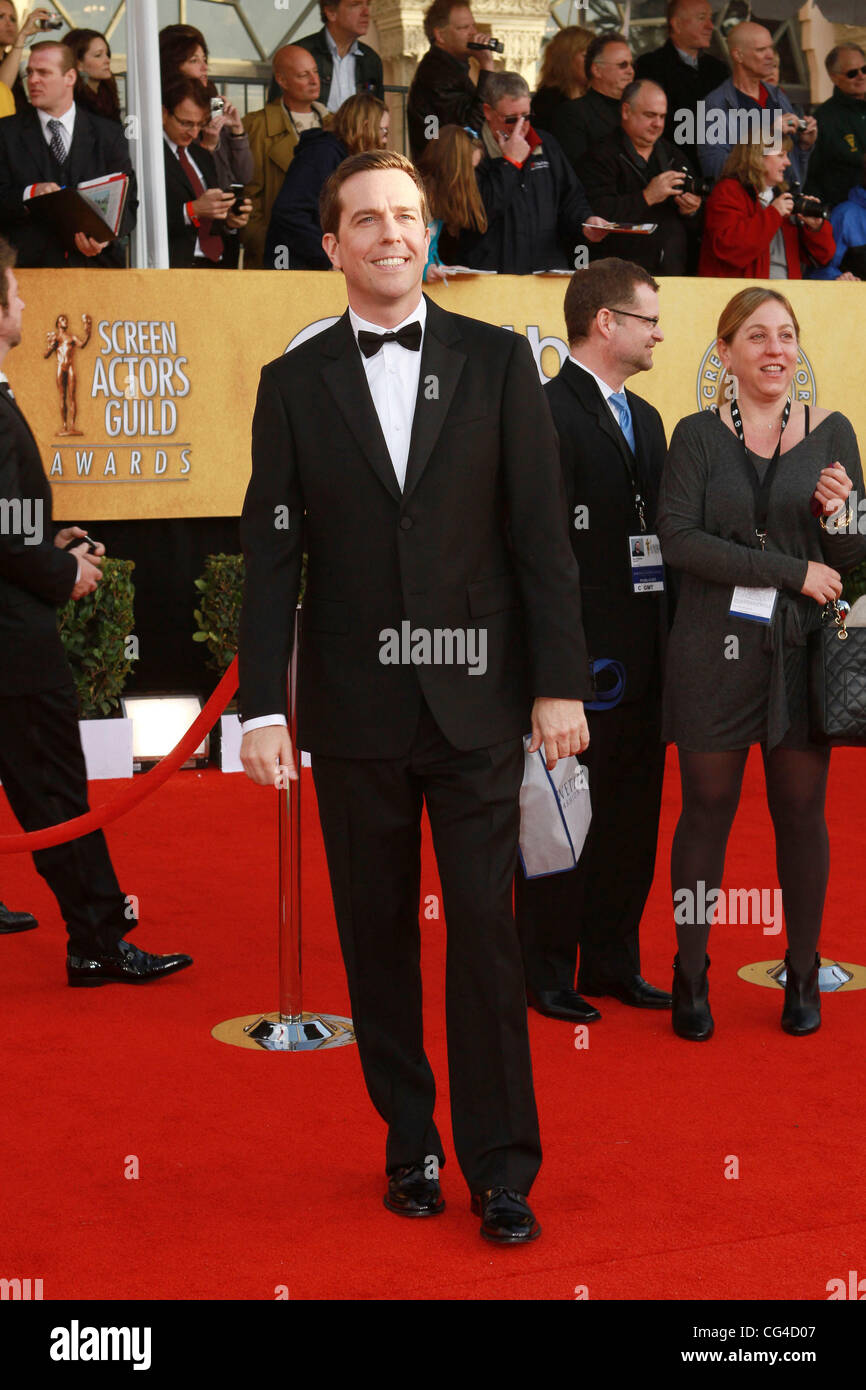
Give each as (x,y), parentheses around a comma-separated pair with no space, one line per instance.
(164,387)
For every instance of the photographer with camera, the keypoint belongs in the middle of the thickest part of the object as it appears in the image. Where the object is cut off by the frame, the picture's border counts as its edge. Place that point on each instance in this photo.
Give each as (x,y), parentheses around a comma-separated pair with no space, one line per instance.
(756,226)
(635,175)
(13,42)
(203,219)
(442,86)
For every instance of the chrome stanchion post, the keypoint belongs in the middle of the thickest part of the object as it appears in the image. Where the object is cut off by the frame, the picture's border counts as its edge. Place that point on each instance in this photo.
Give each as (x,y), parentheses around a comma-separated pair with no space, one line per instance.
(289,1029)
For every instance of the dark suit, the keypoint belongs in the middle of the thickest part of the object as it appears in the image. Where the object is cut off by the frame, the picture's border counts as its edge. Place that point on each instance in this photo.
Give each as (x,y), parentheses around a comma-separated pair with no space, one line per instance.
(477,541)
(368,67)
(614,176)
(41,762)
(98,147)
(600,903)
(683,84)
(178,192)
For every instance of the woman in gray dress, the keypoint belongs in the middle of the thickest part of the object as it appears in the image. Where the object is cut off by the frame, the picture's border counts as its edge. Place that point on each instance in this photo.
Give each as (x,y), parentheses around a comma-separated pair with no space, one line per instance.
(759,538)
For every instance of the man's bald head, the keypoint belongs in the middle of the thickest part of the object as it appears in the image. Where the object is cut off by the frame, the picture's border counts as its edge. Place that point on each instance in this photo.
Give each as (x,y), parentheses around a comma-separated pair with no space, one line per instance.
(751,48)
(297,77)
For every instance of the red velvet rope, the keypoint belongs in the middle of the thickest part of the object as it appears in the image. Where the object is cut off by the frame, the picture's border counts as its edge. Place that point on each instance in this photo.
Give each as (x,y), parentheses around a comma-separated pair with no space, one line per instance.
(140,788)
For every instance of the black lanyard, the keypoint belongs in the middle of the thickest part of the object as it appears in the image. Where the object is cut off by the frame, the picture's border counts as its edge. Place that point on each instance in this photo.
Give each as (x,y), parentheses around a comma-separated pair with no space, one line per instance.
(761,489)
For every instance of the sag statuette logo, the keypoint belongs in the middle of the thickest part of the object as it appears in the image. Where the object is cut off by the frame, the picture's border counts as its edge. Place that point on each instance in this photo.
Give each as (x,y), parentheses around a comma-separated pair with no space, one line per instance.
(715,386)
(117,396)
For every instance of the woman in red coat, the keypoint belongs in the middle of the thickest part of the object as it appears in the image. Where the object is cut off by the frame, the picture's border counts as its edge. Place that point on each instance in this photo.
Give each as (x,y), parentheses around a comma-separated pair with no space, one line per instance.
(749,232)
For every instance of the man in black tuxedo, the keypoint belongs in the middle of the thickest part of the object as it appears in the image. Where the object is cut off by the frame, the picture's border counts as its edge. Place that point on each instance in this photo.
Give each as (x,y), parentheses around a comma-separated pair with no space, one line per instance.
(202,228)
(442,596)
(41,762)
(57,144)
(612,445)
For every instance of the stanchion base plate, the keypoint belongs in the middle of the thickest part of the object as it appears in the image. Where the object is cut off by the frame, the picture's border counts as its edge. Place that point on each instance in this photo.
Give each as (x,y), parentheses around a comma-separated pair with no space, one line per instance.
(267,1033)
(834,976)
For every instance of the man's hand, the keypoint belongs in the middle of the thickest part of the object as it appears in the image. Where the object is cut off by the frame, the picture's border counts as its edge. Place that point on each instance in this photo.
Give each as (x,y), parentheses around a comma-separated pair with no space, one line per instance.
(595,228)
(265,753)
(483,56)
(514,146)
(90,573)
(68,533)
(561,726)
(663,185)
(88,246)
(848,275)
(687,203)
(242,216)
(214,203)
(806,138)
(39,188)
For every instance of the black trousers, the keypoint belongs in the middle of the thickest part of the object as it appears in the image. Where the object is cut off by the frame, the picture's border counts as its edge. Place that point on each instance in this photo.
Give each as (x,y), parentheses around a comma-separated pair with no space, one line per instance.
(370,812)
(599,904)
(43,774)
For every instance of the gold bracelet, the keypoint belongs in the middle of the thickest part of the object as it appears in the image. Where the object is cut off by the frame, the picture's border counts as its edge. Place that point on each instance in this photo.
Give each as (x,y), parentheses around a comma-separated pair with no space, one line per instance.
(839,519)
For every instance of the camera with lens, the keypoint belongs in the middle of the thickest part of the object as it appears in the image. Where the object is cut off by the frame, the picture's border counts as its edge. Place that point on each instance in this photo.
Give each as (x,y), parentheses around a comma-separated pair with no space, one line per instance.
(489,46)
(51,21)
(805,206)
(693,183)
(217,106)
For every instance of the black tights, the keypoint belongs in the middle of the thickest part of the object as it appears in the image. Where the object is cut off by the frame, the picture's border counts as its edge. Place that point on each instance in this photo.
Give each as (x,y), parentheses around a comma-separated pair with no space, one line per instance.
(796,787)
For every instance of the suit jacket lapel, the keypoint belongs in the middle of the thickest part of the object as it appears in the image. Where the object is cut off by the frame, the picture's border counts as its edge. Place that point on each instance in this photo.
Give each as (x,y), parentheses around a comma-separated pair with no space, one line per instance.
(81,150)
(441,365)
(34,140)
(346,380)
(587,390)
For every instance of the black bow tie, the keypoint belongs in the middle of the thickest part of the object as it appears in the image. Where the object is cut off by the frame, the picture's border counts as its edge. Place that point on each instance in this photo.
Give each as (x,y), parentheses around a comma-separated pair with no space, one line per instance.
(408,337)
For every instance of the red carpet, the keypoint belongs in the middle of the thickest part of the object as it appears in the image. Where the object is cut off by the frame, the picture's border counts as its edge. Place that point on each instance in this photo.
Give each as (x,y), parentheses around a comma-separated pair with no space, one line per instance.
(259,1170)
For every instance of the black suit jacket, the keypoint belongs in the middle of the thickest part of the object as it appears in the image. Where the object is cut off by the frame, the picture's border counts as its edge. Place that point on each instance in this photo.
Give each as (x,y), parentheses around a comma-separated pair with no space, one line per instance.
(98,147)
(178,192)
(595,457)
(34,579)
(684,85)
(477,539)
(368,68)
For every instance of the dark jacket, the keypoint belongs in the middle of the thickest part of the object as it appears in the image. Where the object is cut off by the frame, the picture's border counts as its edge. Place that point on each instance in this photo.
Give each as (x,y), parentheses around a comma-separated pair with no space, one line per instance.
(178,192)
(476,539)
(614,177)
(443,88)
(295,215)
(684,85)
(545,104)
(368,68)
(534,213)
(583,121)
(98,147)
(596,462)
(34,579)
(839,155)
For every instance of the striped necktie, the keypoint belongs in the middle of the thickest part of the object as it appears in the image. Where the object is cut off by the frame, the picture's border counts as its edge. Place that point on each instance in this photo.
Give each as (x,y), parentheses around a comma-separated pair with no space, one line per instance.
(57,143)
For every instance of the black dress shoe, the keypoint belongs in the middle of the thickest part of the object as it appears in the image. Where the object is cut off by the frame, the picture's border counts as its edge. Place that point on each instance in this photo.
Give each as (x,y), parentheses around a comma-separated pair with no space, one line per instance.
(15,921)
(128,965)
(562,1003)
(632,990)
(802,1010)
(506,1216)
(691,1009)
(412,1193)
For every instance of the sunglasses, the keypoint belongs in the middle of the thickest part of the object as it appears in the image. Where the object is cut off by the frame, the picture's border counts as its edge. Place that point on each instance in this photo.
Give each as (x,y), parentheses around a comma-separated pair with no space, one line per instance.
(511,120)
(854,72)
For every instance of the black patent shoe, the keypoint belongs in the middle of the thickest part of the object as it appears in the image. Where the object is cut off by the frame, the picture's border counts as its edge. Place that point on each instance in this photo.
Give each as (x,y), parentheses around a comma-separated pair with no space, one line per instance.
(15,921)
(691,1015)
(127,965)
(412,1193)
(562,1003)
(506,1217)
(802,1009)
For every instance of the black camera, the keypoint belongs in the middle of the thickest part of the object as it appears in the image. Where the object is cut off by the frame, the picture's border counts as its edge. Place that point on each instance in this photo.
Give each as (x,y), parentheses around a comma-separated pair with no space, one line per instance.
(804,206)
(52,21)
(693,183)
(489,46)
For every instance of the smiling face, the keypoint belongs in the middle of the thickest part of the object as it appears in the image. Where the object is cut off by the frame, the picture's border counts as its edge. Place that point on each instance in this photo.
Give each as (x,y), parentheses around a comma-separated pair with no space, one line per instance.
(774,168)
(381,246)
(633,338)
(195,65)
(762,354)
(850,60)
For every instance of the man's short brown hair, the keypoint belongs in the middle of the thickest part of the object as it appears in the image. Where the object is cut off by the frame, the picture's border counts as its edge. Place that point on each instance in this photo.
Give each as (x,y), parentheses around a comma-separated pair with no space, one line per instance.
(330,205)
(181,88)
(439,16)
(67,57)
(606,284)
(7,261)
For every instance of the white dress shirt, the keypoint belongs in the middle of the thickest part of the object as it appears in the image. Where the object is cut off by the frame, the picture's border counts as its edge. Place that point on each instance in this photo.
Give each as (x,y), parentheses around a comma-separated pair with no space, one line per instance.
(393,374)
(606,391)
(343,77)
(67,120)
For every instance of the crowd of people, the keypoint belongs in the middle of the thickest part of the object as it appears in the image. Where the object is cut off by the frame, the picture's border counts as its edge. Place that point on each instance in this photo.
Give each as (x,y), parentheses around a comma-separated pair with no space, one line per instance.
(675,159)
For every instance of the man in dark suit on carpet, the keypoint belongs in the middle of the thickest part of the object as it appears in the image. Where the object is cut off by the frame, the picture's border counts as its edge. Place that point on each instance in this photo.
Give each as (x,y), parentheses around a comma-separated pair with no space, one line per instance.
(57,144)
(612,445)
(441,621)
(202,225)
(41,762)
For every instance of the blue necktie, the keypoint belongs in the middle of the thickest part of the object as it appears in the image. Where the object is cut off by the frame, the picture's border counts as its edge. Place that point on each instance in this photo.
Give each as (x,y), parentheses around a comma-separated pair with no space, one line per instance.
(620,407)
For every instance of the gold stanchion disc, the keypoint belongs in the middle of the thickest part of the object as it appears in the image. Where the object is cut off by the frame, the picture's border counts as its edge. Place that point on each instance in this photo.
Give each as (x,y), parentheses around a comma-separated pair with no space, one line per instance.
(269,1033)
(834,976)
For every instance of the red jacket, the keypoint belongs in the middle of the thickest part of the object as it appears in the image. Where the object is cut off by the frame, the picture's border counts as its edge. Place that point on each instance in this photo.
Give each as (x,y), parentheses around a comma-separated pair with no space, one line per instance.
(738,232)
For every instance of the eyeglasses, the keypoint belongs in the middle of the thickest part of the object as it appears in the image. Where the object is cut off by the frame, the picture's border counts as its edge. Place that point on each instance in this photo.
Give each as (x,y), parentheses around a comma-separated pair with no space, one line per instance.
(854,72)
(189,125)
(628,313)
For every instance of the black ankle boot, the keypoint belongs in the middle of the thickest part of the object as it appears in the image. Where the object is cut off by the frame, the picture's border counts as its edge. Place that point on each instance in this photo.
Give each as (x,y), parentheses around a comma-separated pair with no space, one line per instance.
(691,1008)
(802,1011)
